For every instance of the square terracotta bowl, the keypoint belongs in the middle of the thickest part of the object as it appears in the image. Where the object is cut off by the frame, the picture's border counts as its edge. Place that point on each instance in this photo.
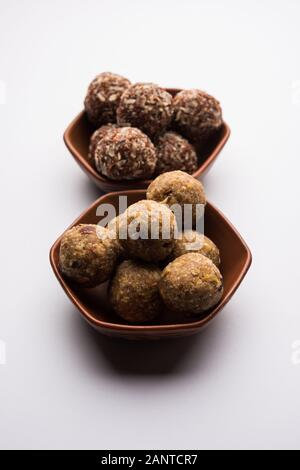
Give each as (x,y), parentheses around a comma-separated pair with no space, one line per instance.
(77,138)
(93,303)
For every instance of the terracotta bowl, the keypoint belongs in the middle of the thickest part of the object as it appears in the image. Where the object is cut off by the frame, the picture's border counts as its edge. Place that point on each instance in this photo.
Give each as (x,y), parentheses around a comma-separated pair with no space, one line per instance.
(93,303)
(77,138)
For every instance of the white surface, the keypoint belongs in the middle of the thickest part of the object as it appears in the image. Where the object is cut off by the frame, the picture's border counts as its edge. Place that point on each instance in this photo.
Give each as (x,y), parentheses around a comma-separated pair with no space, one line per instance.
(235,385)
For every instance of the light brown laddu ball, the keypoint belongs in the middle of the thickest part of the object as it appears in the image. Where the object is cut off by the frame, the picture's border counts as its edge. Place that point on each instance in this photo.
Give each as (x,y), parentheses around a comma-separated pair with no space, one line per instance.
(174,152)
(192,284)
(87,255)
(195,242)
(96,137)
(103,97)
(178,188)
(196,114)
(134,292)
(149,229)
(125,153)
(146,106)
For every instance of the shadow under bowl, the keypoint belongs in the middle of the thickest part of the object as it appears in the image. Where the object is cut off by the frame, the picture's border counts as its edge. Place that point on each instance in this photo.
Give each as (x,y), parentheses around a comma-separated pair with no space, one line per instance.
(77,139)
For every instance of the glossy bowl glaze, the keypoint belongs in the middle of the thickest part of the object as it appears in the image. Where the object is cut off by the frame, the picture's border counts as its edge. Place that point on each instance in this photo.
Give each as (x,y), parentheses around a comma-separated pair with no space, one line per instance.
(93,303)
(77,138)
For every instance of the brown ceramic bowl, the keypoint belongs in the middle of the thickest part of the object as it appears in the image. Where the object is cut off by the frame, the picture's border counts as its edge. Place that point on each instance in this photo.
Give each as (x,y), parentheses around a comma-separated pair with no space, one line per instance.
(77,138)
(93,303)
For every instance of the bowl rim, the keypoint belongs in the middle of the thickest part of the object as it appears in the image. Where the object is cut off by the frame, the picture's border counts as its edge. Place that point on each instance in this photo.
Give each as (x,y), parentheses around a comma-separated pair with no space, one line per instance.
(101,179)
(131,328)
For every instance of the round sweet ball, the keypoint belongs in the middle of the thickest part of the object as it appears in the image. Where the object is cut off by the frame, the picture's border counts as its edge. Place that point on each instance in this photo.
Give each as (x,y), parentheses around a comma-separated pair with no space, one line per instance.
(103,97)
(88,255)
(196,114)
(147,231)
(146,106)
(134,293)
(175,153)
(192,284)
(178,188)
(125,153)
(96,137)
(192,241)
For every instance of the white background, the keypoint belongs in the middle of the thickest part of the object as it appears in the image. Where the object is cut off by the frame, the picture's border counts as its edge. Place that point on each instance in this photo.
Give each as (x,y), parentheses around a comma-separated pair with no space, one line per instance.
(236,384)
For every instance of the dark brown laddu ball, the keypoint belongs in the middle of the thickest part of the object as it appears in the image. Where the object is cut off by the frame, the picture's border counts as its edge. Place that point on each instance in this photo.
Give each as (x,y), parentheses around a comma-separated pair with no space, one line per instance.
(196,114)
(88,255)
(103,97)
(96,137)
(178,188)
(134,293)
(191,284)
(125,153)
(146,106)
(175,153)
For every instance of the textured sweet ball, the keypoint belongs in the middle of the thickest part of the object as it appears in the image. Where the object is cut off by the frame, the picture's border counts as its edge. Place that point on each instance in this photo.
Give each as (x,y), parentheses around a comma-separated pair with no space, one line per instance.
(146,106)
(125,153)
(191,284)
(87,255)
(96,137)
(134,292)
(103,97)
(178,188)
(195,242)
(149,229)
(175,153)
(196,114)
